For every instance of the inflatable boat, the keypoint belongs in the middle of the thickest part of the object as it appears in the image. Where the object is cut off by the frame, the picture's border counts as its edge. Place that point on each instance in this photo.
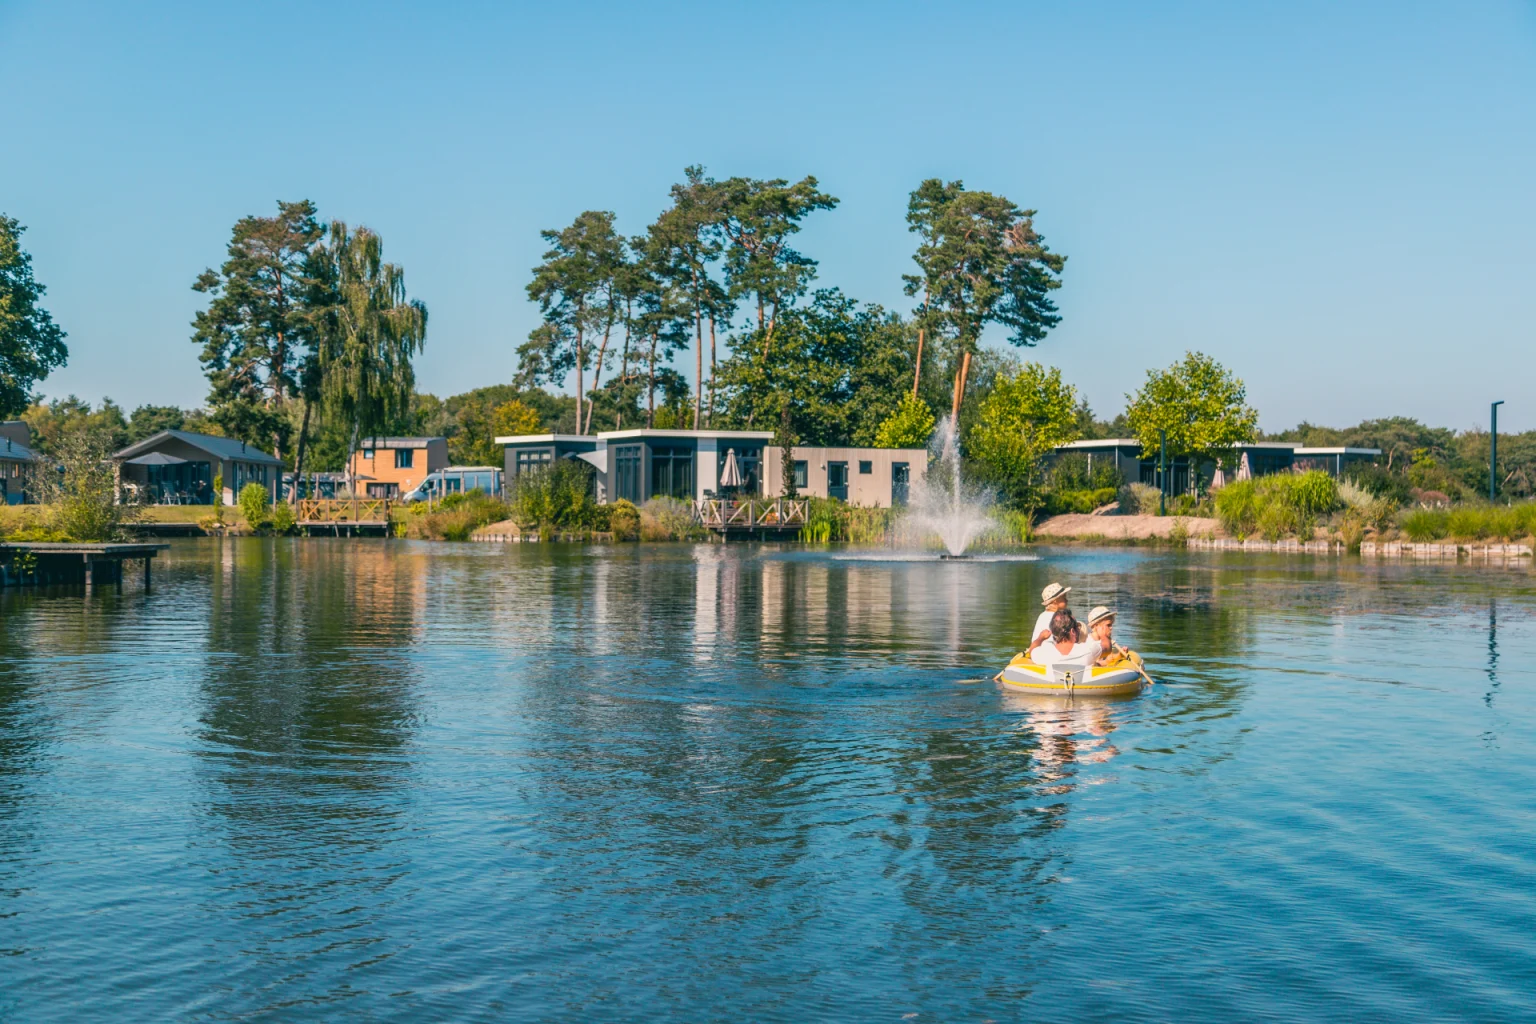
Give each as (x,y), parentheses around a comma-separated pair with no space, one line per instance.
(1068,679)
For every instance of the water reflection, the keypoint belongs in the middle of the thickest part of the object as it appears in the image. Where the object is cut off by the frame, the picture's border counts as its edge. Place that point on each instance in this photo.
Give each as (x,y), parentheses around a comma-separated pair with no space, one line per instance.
(306,713)
(397,780)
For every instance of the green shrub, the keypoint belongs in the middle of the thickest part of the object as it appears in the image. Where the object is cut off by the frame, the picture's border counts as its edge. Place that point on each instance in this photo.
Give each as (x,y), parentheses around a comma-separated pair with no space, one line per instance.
(1072,472)
(1352,530)
(668,519)
(1276,506)
(253,505)
(1423,524)
(1140,500)
(1080,502)
(624,520)
(1381,513)
(560,496)
(1237,507)
(1382,483)
(1310,494)
(283,518)
(83,498)
(455,518)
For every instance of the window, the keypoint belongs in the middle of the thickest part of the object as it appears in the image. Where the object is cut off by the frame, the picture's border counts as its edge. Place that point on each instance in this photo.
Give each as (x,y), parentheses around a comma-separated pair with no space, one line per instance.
(672,472)
(383,490)
(404,458)
(748,461)
(626,473)
(368,454)
(531,459)
(802,473)
(866,467)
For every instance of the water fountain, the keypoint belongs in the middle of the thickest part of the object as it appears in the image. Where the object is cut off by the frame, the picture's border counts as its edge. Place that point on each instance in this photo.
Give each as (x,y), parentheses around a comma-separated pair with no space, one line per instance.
(944,504)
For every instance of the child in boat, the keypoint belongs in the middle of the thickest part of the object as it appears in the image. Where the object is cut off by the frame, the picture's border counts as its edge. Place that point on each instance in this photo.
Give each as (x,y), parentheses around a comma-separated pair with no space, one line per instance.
(1101,625)
(1055,598)
(1064,645)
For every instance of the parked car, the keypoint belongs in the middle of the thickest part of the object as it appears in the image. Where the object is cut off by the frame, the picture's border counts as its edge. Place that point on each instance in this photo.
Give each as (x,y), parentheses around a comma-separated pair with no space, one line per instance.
(454,480)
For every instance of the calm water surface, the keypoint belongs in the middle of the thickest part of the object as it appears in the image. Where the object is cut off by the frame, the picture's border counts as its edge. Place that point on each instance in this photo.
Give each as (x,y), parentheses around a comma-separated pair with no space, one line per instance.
(397,781)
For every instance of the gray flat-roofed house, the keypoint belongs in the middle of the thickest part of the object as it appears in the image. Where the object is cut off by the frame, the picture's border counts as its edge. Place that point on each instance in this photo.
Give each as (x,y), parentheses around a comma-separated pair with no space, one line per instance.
(179,467)
(1334,461)
(525,453)
(646,463)
(17,462)
(686,464)
(1261,459)
(868,477)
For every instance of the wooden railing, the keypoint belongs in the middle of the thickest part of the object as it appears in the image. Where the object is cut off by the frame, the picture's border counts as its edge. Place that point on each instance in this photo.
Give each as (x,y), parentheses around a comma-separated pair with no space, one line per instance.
(344,510)
(751,514)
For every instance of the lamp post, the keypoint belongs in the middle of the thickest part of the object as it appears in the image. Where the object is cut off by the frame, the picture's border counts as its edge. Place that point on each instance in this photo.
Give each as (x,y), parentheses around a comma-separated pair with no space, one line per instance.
(1493,449)
(1162,472)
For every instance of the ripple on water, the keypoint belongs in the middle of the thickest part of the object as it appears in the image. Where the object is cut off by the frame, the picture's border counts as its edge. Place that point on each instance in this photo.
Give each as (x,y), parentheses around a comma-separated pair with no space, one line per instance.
(304,780)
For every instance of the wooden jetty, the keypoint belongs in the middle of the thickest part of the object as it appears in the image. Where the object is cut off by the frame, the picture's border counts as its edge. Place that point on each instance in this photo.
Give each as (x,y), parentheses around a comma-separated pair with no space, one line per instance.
(35,563)
(760,516)
(344,515)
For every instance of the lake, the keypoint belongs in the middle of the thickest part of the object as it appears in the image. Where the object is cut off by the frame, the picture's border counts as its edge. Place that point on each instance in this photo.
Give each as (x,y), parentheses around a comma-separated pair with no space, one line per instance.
(404,781)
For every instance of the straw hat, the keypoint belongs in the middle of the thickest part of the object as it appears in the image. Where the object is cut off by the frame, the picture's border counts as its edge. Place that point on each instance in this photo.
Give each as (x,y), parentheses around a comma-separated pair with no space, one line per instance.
(1052,592)
(1099,614)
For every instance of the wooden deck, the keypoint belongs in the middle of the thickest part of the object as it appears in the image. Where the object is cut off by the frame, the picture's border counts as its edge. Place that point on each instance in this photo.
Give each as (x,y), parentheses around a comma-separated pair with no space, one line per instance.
(37,563)
(349,514)
(754,515)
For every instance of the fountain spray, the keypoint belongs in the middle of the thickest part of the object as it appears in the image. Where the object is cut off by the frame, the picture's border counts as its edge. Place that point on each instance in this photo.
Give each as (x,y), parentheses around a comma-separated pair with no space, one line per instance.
(944,504)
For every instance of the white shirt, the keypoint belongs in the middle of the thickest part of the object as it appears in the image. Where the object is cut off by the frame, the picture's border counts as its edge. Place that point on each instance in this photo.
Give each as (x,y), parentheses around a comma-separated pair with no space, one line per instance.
(1042,625)
(1047,654)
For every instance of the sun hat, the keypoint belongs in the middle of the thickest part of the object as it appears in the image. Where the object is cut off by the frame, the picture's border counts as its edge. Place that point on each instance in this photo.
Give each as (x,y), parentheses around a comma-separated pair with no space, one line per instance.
(1052,592)
(1099,614)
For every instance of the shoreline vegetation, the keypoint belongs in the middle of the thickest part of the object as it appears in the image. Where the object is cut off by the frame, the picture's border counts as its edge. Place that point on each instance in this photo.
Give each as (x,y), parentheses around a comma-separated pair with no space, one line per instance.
(309,339)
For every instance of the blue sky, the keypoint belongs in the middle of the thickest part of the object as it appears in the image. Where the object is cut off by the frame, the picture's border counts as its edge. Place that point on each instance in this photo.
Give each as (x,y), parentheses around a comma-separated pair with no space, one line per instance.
(1335,200)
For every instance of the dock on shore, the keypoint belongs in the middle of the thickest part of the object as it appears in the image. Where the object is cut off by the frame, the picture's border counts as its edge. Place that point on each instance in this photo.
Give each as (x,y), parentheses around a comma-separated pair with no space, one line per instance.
(38,563)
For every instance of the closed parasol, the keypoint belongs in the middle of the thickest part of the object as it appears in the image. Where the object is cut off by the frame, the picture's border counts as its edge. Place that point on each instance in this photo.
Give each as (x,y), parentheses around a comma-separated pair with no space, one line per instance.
(730,475)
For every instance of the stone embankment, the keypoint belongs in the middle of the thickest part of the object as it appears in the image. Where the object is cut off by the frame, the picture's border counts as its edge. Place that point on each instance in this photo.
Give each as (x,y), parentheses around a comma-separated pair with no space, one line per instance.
(1309,547)
(1404,549)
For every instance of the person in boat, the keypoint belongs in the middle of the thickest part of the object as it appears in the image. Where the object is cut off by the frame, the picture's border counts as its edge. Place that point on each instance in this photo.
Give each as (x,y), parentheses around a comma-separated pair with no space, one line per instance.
(1064,644)
(1101,626)
(1055,598)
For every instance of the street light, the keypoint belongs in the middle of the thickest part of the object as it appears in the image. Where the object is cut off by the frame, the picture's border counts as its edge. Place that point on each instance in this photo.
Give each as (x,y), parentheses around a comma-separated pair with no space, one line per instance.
(1493,449)
(1162,472)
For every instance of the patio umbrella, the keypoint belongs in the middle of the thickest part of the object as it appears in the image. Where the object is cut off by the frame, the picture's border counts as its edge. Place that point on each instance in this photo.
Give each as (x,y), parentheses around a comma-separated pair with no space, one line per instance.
(157,459)
(730,476)
(1244,471)
(1218,478)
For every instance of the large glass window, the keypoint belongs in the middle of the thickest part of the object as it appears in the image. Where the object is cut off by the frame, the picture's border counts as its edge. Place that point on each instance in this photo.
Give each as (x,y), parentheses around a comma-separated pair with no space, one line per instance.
(404,458)
(530,459)
(626,473)
(672,472)
(802,473)
(749,461)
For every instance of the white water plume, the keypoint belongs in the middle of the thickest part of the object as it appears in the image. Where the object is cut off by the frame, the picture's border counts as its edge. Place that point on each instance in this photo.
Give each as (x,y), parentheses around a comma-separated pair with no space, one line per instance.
(943,503)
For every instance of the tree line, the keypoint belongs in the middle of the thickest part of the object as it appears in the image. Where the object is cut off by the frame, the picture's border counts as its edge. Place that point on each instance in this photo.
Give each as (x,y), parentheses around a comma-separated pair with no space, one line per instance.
(309,339)
(718,269)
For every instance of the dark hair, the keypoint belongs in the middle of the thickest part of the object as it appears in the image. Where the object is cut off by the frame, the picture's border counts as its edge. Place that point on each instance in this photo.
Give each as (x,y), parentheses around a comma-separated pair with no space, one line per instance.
(1063,626)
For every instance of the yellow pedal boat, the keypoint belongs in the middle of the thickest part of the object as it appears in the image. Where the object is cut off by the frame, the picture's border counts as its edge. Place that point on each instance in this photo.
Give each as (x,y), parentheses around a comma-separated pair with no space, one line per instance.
(1117,679)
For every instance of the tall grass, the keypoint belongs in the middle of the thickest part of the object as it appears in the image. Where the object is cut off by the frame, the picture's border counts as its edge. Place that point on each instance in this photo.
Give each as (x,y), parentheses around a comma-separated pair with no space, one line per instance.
(1469,522)
(1276,506)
